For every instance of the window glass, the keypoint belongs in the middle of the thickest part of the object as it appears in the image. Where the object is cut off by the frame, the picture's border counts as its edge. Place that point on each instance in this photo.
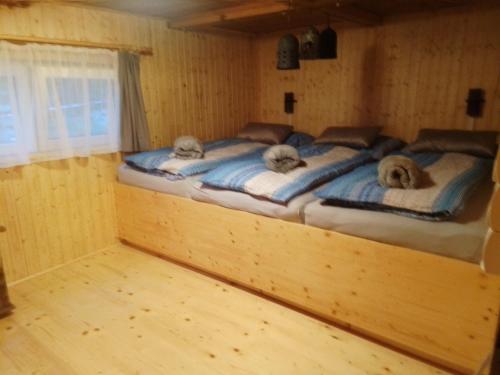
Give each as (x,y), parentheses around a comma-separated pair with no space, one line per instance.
(7,129)
(99,91)
(66,98)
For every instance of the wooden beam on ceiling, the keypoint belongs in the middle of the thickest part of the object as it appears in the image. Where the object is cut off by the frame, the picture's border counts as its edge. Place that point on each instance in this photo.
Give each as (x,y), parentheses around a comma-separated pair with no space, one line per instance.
(353,14)
(254,9)
(148,51)
(226,31)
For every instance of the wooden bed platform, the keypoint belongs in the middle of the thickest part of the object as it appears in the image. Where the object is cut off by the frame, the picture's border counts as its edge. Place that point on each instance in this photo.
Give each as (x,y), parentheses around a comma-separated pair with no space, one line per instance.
(440,309)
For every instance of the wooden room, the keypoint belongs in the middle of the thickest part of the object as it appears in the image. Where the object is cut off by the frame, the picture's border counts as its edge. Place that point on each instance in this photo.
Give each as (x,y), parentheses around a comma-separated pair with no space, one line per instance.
(249,187)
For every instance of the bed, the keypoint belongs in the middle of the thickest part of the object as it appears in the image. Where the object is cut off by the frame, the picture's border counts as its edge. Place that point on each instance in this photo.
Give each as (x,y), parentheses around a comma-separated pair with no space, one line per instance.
(441,309)
(192,188)
(320,163)
(460,238)
(163,161)
(159,170)
(291,211)
(438,217)
(248,185)
(154,182)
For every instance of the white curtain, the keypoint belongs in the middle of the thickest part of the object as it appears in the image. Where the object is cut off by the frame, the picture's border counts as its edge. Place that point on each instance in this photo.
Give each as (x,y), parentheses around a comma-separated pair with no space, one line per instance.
(57,102)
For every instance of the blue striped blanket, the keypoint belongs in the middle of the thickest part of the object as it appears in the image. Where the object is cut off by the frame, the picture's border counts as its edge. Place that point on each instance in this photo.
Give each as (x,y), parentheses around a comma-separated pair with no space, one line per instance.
(451,177)
(162,161)
(320,163)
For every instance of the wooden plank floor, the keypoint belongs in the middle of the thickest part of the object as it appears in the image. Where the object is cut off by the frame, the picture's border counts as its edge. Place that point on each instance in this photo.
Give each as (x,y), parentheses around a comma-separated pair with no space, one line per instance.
(125,312)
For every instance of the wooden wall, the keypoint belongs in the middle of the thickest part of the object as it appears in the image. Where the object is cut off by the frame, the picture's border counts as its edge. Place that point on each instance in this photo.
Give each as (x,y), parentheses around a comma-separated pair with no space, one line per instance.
(327,92)
(197,84)
(412,72)
(57,211)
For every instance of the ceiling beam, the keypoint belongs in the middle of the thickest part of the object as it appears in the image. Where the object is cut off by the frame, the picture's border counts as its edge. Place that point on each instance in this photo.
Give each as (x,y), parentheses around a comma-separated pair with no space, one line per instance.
(76,43)
(353,14)
(253,9)
(226,31)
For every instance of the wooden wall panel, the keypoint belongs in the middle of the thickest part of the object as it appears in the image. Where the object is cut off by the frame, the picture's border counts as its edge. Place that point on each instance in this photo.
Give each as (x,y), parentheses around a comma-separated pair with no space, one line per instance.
(328,92)
(210,85)
(411,72)
(426,64)
(193,84)
(75,23)
(197,84)
(55,212)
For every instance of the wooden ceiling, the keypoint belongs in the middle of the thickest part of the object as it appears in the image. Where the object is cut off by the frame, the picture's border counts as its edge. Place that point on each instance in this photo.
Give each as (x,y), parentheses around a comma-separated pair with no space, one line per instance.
(266,16)
(170,9)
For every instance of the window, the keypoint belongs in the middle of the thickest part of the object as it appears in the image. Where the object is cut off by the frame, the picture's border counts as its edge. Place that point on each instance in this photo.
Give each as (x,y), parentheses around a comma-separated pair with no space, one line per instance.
(57,102)
(7,129)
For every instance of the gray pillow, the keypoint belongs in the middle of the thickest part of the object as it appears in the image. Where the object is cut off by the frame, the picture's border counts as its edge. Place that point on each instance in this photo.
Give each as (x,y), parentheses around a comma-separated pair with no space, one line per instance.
(357,137)
(384,145)
(297,139)
(477,143)
(272,134)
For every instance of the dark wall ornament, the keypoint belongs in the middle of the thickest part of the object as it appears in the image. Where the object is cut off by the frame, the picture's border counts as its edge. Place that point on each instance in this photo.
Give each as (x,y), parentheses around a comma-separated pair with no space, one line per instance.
(288,53)
(309,44)
(328,44)
(475,102)
(313,45)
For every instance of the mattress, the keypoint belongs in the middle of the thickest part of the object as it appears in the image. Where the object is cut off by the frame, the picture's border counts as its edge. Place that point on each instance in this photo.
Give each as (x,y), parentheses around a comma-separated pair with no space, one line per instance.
(461,238)
(293,211)
(181,188)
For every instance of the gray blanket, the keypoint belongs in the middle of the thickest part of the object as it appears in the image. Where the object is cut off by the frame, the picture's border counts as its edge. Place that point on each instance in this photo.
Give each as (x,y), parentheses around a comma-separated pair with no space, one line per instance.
(188,147)
(399,172)
(281,158)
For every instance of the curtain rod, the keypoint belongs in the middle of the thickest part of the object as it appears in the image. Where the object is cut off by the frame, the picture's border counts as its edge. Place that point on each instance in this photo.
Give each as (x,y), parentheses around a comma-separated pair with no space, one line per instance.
(147,51)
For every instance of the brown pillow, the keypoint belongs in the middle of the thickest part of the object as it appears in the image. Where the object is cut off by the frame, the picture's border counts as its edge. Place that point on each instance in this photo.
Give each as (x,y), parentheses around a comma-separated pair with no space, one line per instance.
(477,143)
(272,134)
(357,137)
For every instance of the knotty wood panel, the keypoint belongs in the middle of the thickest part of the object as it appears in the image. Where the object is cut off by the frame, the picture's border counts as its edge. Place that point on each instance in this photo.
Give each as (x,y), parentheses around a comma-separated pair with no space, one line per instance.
(55,212)
(197,84)
(193,84)
(411,72)
(410,299)
(329,92)
(425,66)
(75,23)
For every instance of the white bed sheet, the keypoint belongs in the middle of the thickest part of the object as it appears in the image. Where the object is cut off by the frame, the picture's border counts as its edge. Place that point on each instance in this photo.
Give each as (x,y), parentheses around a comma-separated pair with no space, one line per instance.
(181,188)
(461,238)
(293,211)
